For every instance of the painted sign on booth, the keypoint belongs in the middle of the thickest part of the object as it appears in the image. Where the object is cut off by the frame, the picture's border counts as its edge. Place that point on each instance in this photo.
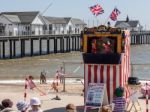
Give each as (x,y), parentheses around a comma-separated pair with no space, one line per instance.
(95,94)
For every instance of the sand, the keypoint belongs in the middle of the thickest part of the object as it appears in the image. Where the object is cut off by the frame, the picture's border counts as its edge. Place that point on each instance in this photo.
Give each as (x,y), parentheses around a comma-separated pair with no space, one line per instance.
(15,92)
(73,94)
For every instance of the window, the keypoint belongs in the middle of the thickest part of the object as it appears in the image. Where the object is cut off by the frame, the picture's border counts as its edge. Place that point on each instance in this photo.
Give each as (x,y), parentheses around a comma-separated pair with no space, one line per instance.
(50,27)
(44,27)
(27,28)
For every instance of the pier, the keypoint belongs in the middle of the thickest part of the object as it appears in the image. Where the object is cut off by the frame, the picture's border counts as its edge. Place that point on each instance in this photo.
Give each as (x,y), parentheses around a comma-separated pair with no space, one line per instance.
(32,45)
(21,46)
(142,37)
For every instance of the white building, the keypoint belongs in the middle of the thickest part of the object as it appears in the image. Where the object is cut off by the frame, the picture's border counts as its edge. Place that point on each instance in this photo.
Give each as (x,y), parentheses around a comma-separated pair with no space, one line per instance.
(21,23)
(132,25)
(59,25)
(32,23)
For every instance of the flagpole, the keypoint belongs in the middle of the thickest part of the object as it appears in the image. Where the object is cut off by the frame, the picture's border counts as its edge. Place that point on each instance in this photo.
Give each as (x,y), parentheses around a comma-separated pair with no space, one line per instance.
(93,22)
(106,20)
(97,19)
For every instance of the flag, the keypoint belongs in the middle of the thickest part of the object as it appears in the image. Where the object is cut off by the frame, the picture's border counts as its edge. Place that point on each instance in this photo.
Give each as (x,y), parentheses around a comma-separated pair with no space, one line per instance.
(96,10)
(114,14)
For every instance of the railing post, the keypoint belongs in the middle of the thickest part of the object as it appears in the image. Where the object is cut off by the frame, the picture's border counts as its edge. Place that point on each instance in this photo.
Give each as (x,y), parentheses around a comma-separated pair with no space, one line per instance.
(147,97)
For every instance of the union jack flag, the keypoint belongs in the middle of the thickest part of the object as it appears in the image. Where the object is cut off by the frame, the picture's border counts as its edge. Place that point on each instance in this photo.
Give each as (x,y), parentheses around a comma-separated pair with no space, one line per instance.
(96,10)
(114,14)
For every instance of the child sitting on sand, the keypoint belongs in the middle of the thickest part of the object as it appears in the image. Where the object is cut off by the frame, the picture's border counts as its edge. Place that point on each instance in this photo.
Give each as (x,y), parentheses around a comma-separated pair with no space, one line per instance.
(22,106)
(35,105)
(71,108)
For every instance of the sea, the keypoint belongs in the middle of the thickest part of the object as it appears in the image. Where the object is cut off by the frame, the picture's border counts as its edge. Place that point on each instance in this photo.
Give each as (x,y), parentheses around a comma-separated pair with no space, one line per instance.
(140,65)
(140,61)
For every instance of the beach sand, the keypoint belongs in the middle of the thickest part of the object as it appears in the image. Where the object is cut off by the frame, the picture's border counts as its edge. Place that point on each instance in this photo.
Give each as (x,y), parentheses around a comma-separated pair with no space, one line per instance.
(73,94)
(15,92)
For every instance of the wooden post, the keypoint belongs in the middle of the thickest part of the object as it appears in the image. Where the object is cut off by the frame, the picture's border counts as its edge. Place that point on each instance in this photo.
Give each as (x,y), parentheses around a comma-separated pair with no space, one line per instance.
(48,46)
(75,42)
(60,45)
(55,45)
(72,43)
(3,49)
(21,48)
(22,45)
(78,43)
(147,107)
(146,39)
(40,46)
(10,49)
(31,49)
(69,43)
(63,44)
(14,48)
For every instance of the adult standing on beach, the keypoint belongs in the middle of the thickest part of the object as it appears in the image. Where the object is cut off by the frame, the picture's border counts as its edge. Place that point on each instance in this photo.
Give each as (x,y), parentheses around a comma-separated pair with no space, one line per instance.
(43,77)
(60,75)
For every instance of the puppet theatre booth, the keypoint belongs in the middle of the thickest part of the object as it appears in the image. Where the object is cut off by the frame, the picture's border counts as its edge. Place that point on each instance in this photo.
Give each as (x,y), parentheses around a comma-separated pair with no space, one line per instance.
(106,55)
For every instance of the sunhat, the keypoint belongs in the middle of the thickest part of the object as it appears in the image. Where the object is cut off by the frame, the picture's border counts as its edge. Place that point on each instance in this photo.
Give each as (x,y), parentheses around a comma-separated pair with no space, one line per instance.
(35,101)
(22,105)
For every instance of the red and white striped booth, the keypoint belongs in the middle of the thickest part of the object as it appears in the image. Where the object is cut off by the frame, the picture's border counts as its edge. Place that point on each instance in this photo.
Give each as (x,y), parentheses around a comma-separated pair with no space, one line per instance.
(113,75)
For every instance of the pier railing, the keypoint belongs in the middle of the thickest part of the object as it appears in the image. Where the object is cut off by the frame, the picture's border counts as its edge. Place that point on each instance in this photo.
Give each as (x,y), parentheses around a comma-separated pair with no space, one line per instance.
(142,37)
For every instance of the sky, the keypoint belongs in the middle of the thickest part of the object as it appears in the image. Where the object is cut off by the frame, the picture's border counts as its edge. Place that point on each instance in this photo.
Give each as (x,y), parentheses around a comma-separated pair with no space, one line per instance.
(135,9)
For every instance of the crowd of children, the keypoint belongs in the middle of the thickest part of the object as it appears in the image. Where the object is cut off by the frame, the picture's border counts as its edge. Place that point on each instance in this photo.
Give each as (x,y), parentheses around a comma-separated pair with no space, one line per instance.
(33,106)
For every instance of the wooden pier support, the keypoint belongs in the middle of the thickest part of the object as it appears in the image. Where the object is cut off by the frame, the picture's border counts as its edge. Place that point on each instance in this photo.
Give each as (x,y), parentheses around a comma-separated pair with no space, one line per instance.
(14,48)
(55,45)
(4,49)
(48,45)
(31,48)
(20,46)
(10,49)
(40,46)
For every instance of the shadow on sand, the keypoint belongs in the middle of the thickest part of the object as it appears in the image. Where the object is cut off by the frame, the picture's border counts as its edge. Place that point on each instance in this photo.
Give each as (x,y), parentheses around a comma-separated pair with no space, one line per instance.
(62,109)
